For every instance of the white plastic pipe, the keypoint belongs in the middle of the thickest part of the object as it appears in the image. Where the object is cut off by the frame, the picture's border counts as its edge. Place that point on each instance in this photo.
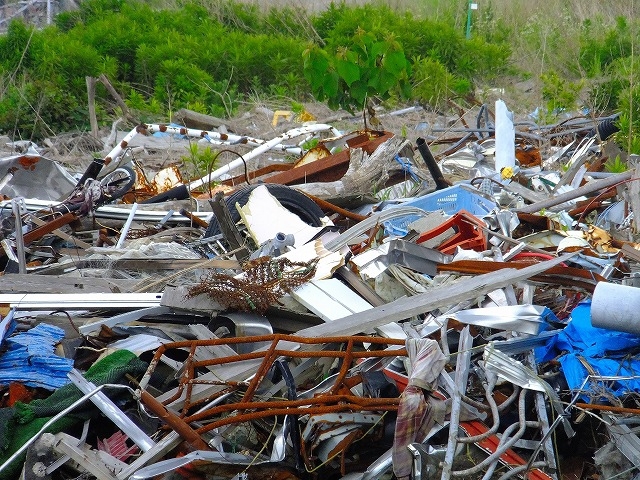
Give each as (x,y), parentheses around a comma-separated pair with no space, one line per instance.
(265,147)
(127,226)
(616,307)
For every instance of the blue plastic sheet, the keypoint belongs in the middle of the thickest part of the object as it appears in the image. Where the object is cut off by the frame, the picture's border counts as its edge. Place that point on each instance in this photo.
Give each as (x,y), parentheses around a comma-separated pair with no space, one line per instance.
(30,359)
(607,353)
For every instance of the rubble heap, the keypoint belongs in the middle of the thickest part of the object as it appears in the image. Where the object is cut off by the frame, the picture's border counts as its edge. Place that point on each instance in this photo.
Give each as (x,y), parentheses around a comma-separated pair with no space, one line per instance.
(459,307)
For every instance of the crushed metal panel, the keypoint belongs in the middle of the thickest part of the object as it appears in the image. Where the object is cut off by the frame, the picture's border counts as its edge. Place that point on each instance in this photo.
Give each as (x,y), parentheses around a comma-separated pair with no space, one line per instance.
(519,318)
(330,299)
(625,438)
(437,297)
(34,176)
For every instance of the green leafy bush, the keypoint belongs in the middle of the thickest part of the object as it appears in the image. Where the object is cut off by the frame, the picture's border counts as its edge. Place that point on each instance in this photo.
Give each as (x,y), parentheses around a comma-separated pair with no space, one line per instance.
(433,84)
(369,66)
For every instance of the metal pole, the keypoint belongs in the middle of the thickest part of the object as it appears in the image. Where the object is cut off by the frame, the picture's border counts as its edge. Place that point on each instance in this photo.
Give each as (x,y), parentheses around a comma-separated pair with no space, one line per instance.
(22,265)
(469,19)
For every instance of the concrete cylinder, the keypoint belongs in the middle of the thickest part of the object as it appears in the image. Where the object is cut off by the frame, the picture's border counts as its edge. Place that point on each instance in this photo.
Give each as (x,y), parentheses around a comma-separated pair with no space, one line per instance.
(616,307)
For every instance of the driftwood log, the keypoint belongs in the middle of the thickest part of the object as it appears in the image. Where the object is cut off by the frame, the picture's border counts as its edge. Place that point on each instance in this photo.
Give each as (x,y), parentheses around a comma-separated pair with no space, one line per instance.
(367,174)
(201,121)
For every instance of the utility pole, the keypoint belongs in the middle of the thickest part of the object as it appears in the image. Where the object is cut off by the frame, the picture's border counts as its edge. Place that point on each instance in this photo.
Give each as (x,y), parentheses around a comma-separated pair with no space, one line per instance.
(471,6)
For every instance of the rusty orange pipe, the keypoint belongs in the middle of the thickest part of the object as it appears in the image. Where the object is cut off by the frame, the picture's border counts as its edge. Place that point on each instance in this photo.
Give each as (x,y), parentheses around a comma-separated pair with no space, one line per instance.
(176,423)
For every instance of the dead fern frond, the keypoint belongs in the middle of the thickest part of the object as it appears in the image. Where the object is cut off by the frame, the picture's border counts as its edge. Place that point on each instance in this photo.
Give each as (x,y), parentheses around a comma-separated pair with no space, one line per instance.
(265,280)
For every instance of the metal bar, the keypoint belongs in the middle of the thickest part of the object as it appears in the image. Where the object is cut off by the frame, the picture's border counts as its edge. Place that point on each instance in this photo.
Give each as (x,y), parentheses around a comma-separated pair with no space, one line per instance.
(127,226)
(543,419)
(174,421)
(22,264)
(106,406)
(462,373)
(80,301)
(49,227)
(123,318)
(258,151)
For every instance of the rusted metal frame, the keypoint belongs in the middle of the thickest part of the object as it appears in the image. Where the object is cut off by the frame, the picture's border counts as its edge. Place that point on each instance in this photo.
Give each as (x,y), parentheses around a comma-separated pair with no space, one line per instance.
(188,404)
(312,410)
(275,338)
(361,402)
(299,354)
(174,421)
(190,365)
(188,377)
(344,368)
(189,371)
(269,358)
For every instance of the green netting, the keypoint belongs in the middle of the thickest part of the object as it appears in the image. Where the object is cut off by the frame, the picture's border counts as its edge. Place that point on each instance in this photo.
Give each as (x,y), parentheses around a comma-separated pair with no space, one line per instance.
(21,422)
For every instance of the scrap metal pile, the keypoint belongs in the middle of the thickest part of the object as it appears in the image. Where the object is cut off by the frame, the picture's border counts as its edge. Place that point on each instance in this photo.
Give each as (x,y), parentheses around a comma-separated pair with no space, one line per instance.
(372,311)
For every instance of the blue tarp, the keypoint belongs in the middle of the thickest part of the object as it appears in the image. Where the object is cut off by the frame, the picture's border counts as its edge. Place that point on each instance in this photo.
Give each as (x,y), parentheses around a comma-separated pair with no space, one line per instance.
(607,352)
(30,359)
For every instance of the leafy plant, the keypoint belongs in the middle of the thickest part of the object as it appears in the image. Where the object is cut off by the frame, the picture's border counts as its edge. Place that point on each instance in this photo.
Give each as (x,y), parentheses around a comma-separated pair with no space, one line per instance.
(629,121)
(559,94)
(433,84)
(370,66)
(615,165)
(200,160)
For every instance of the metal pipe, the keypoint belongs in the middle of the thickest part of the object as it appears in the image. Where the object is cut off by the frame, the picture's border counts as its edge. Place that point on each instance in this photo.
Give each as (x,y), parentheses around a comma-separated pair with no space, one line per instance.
(462,373)
(590,187)
(22,263)
(505,442)
(127,226)
(488,389)
(172,420)
(432,165)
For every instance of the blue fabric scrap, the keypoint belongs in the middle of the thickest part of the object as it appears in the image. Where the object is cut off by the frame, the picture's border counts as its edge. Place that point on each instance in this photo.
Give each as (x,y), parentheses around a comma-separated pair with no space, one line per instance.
(30,359)
(606,352)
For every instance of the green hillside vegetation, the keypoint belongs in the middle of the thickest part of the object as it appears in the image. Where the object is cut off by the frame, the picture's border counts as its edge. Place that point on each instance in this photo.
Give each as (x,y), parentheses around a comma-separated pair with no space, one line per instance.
(214,57)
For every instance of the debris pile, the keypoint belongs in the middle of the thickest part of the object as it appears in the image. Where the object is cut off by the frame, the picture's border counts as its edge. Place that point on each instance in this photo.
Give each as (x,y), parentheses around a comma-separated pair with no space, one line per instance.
(375,308)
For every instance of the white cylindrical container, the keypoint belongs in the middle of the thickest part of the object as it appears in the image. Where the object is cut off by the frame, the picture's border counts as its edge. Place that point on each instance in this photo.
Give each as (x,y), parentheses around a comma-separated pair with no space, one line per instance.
(616,307)
(505,155)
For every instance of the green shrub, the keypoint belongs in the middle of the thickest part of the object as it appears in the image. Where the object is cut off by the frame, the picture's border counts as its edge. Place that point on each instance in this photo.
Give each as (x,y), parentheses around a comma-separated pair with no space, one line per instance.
(559,94)
(601,46)
(372,65)
(434,85)
(629,121)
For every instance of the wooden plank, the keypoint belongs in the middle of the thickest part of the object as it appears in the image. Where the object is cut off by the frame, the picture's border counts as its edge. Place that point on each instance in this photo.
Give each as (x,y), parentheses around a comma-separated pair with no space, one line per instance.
(407,307)
(140,264)
(33,283)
